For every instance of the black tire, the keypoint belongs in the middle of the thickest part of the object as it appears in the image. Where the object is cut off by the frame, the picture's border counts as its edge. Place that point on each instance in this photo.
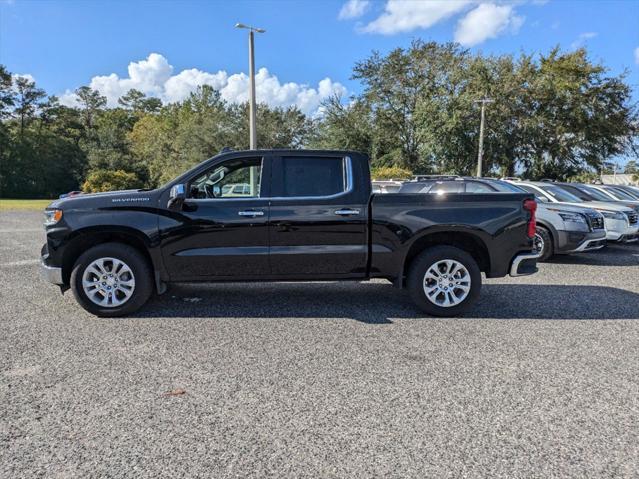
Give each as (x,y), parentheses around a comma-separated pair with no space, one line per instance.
(546,239)
(137,264)
(417,275)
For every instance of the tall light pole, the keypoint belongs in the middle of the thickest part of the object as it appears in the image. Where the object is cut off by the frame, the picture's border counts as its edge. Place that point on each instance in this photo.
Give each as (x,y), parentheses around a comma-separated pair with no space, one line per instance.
(252,106)
(480,155)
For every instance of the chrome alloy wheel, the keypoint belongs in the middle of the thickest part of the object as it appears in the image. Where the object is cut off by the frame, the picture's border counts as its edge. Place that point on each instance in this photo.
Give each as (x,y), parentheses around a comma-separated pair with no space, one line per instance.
(447,283)
(539,243)
(108,282)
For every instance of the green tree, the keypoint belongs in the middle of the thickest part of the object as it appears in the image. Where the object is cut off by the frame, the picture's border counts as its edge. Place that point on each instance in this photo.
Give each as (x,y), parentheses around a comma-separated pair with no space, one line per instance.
(139,103)
(344,126)
(91,101)
(7,94)
(110,180)
(390,173)
(28,97)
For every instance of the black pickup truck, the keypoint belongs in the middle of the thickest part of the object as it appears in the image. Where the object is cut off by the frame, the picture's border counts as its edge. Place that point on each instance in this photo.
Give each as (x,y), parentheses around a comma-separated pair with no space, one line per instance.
(282,215)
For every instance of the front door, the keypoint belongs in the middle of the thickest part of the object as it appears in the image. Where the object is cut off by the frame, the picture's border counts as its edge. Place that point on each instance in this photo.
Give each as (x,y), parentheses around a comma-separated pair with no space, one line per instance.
(222,230)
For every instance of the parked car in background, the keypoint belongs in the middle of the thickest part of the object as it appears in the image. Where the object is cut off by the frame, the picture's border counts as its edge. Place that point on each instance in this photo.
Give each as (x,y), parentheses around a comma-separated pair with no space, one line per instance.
(386,186)
(560,230)
(236,189)
(629,189)
(632,190)
(616,194)
(621,222)
(589,193)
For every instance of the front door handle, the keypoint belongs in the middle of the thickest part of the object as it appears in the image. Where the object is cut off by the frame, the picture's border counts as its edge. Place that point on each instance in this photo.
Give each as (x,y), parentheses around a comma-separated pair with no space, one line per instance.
(346,212)
(252,213)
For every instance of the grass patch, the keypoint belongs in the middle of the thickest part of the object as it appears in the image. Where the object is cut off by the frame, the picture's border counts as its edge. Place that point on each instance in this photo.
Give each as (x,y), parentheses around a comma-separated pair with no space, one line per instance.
(23,205)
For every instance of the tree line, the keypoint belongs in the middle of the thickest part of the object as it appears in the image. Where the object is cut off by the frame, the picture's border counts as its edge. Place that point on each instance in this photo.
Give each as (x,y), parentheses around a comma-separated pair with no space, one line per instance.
(555,115)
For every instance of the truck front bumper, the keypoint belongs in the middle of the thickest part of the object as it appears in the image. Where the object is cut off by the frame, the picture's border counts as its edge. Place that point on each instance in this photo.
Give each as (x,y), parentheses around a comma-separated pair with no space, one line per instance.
(52,274)
(524,264)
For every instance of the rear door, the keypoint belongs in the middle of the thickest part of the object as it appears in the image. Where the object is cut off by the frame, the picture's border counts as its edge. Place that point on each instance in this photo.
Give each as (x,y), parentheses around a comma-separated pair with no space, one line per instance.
(318,217)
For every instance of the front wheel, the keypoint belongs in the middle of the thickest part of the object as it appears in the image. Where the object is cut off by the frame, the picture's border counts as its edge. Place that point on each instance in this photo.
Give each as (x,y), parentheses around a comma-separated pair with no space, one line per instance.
(444,281)
(111,279)
(543,244)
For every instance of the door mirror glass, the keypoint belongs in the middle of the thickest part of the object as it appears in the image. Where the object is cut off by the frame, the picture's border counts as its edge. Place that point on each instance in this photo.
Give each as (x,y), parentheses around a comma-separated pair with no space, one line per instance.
(176,197)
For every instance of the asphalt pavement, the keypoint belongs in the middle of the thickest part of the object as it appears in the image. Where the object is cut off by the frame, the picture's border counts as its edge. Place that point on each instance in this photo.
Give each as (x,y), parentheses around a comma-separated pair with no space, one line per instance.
(322,379)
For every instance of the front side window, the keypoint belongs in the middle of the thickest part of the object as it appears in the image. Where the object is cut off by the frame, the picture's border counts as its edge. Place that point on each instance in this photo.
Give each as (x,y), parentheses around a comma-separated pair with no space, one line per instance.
(308,176)
(239,178)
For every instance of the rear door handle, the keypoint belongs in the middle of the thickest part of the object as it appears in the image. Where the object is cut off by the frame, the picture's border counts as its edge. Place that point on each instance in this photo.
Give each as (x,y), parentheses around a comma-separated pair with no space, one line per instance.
(346,212)
(252,213)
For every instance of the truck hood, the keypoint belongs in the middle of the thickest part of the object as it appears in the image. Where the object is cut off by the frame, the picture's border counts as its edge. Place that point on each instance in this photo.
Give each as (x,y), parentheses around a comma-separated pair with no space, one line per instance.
(107,199)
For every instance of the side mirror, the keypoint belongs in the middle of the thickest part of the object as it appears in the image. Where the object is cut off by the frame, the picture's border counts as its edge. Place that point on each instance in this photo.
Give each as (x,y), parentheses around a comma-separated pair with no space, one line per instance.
(176,197)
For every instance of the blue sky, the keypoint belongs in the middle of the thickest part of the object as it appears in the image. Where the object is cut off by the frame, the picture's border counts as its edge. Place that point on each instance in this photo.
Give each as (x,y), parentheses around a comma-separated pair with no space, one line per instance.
(308,50)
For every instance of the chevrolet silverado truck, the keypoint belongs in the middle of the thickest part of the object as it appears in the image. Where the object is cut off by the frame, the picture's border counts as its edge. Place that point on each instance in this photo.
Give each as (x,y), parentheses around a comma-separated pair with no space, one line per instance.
(301,215)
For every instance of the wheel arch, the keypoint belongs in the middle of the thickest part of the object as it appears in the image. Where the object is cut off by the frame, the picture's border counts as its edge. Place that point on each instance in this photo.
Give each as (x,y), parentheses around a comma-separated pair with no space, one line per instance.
(462,239)
(90,237)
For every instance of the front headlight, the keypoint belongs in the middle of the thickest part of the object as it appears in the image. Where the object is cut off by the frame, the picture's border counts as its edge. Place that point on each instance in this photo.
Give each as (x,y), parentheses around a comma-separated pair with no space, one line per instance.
(612,215)
(51,217)
(573,217)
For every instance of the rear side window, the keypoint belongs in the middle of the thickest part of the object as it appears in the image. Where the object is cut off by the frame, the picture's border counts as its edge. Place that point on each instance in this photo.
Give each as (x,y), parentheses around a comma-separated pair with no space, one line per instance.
(308,176)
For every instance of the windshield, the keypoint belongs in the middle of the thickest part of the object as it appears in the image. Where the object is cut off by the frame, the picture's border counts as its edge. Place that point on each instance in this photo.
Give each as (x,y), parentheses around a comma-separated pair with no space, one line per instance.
(596,194)
(560,195)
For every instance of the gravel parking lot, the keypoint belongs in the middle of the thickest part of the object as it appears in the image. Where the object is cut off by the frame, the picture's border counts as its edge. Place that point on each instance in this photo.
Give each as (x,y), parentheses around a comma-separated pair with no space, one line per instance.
(322,380)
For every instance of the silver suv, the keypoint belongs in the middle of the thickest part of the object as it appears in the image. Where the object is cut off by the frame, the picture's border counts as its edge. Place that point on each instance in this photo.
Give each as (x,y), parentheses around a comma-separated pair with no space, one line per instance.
(621,222)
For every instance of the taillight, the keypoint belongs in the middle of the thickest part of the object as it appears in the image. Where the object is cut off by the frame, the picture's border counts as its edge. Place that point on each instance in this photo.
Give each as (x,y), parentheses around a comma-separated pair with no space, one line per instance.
(531,206)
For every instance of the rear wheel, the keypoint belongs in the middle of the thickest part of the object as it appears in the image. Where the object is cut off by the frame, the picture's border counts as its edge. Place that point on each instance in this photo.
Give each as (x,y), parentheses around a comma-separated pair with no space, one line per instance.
(543,244)
(444,281)
(111,279)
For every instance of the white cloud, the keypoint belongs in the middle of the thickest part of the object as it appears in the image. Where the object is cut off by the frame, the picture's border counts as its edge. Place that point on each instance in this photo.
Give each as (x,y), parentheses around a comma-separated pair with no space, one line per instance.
(486,21)
(637,55)
(154,76)
(407,15)
(353,9)
(581,39)
(27,76)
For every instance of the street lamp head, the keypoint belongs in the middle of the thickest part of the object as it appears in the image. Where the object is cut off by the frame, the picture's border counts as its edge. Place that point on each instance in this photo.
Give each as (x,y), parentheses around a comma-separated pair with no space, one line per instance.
(248,27)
